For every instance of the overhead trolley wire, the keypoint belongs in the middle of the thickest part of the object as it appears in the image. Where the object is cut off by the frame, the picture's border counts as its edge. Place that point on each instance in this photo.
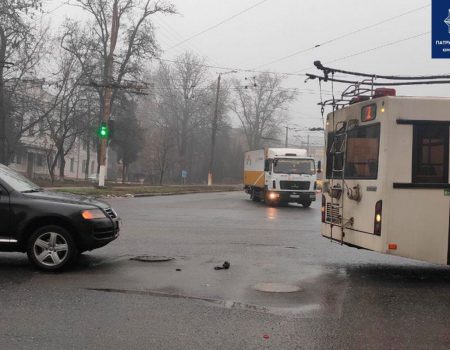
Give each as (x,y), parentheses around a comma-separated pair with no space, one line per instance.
(369,50)
(341,37)
(236,69)
(217,24)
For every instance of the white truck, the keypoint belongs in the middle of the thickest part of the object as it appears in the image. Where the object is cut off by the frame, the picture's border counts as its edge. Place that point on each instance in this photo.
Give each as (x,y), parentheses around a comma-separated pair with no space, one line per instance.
(280,175)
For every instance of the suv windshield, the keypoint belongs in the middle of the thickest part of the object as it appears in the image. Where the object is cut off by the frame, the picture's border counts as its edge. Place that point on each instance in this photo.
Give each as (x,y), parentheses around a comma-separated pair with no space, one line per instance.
(16,181)
(293,166)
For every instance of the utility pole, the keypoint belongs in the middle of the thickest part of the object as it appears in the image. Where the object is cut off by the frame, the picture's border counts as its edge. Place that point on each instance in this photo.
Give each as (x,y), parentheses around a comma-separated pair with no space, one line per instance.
(108,91)
(307,146)
(286,141)
(214,129)
(213,133)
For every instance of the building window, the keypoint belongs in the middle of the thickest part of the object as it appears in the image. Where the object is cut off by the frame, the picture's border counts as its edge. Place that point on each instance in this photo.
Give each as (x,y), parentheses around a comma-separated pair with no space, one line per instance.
(32,125)
(72,163)
(40,160)
(430,154)
(19,157)
(41,127)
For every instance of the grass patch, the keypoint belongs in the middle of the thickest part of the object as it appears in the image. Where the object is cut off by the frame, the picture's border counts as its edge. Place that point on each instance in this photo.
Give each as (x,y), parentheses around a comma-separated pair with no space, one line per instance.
(120,191)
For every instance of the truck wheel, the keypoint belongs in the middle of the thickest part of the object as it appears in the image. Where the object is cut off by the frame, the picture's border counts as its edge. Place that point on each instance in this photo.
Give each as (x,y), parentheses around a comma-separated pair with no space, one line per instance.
(253,197)
(51,248)
(306,204)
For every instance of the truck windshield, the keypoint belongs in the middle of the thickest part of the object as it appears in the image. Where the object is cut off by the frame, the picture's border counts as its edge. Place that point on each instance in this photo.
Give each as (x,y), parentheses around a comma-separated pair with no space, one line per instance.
(16,181)
(294,166)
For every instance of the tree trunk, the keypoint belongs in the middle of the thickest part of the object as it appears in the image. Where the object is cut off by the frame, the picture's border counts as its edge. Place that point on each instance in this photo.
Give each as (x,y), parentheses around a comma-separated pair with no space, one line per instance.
(3,151)
(88,157)
(124,172)
(62,166)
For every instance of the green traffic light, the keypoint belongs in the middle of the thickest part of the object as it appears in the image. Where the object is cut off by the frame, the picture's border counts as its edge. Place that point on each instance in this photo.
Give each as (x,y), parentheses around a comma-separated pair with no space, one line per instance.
(103,131)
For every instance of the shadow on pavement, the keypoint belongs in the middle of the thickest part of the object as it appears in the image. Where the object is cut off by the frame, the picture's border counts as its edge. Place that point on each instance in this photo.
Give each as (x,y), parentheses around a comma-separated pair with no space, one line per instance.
(399,275)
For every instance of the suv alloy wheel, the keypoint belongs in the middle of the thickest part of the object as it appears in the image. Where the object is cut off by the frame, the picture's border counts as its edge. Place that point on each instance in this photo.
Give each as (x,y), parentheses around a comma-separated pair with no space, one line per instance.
(51,248)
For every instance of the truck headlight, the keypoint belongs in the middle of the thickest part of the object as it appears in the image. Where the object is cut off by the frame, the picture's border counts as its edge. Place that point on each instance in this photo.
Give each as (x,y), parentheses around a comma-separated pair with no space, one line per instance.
(273,195)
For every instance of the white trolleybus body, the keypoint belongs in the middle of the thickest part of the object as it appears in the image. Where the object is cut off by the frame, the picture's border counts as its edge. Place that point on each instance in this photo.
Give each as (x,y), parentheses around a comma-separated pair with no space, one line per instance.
(386,180)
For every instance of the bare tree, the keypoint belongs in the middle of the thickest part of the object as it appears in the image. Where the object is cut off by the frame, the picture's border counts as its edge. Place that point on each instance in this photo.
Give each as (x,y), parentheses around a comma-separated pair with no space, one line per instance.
(69,120)
(123,30)
(258,106)
(20,51)
(127,138)
(184,97)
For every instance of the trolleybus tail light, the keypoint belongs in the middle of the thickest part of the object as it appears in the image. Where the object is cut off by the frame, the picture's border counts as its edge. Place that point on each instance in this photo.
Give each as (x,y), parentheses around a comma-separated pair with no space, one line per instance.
(323,208)
(378,218)
(392,246)
(380,92)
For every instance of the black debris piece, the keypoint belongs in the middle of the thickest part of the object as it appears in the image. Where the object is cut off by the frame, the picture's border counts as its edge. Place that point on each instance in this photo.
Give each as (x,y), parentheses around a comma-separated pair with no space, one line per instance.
(225,266)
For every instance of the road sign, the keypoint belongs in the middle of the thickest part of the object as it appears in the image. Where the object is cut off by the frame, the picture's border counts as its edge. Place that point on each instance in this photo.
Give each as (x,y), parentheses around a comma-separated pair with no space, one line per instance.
(184,174)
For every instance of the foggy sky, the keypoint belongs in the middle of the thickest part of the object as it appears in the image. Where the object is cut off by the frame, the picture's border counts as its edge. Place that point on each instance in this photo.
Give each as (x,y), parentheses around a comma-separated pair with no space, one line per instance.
(278,28)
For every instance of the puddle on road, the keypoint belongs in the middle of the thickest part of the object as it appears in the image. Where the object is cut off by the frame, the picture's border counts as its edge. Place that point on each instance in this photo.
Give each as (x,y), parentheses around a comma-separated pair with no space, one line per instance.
(276,288)
(152,258)
(298,311)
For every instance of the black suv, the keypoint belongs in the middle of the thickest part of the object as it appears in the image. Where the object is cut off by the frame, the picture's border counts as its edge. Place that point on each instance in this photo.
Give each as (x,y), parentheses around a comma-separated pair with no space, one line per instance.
(52,228)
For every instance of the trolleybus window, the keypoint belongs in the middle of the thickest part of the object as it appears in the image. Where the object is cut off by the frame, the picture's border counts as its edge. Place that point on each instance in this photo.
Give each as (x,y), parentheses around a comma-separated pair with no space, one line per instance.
(430,154)
(362,152)
(361,161)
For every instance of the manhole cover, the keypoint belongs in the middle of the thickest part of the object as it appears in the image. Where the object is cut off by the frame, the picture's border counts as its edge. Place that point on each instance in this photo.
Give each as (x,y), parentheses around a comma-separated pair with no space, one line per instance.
(152,258)
(276,288)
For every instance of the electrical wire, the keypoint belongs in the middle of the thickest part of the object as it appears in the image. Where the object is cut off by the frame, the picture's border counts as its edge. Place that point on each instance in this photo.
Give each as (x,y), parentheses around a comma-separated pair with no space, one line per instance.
(217,25)
(236,69)
(368,50)
(341,37)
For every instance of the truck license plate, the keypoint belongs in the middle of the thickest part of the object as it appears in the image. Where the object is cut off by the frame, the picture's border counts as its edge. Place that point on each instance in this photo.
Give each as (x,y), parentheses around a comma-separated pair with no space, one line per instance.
(295,196)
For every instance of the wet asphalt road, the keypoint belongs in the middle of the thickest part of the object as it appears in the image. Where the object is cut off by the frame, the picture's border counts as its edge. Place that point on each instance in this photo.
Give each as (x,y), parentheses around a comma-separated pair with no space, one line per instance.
(347,298)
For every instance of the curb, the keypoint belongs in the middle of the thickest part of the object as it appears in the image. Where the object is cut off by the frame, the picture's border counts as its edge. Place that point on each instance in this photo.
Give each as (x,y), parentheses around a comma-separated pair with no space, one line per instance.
(141,195)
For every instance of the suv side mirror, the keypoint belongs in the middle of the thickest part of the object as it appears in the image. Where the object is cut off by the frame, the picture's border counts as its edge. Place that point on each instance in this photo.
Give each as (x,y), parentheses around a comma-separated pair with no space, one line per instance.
(319,166)
(267,165)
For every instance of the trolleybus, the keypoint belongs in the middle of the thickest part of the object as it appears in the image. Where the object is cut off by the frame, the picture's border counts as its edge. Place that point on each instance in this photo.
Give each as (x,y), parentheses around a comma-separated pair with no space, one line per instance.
(386,176)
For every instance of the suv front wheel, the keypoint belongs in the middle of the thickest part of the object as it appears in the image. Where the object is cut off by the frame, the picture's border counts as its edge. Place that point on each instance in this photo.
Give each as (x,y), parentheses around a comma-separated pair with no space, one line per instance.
(51,248)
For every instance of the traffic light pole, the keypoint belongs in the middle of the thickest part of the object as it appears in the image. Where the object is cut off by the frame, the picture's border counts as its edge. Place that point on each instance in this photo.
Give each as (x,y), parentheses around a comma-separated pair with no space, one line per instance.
(108,93)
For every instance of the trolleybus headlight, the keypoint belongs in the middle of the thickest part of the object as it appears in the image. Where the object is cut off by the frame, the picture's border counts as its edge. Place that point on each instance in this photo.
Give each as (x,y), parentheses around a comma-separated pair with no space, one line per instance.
(378,218)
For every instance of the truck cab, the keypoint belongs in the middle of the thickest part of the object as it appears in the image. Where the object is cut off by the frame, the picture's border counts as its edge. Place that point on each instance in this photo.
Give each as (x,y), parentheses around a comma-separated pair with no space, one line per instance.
(280,175)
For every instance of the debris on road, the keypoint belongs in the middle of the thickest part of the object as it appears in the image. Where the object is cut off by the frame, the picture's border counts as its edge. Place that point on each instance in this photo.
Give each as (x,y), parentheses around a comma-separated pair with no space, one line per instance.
(225,266)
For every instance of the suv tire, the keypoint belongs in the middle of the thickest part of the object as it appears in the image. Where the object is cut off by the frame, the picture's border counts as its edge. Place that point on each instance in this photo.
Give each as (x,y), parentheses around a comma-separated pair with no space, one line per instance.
(51,248)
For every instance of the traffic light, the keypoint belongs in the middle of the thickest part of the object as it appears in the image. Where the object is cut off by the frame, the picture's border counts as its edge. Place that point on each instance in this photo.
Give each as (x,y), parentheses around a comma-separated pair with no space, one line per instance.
(103,131)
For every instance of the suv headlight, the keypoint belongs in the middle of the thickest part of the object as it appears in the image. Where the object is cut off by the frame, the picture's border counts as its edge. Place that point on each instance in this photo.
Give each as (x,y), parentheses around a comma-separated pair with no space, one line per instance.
(91,214)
